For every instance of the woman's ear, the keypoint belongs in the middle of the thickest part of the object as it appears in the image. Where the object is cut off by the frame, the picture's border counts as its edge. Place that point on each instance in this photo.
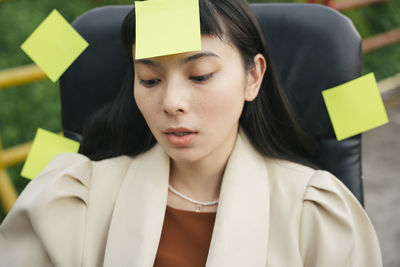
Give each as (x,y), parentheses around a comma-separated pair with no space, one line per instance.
(255,77)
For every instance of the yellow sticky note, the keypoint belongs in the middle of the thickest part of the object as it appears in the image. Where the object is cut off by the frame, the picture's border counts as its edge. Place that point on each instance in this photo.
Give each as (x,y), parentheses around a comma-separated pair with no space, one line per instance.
(355,107)
(54,45)
(165,27)
(45,147)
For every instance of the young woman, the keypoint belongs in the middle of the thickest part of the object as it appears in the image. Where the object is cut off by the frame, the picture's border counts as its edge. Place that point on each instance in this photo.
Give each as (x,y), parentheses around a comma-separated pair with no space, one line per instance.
(198,162)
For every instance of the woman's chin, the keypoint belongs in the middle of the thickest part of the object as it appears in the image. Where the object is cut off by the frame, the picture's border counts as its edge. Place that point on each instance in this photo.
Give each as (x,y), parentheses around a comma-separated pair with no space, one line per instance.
(187,155)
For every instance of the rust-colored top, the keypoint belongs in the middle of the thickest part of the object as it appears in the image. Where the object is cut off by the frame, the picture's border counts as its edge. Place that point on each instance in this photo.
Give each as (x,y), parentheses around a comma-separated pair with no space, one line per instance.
(185,238)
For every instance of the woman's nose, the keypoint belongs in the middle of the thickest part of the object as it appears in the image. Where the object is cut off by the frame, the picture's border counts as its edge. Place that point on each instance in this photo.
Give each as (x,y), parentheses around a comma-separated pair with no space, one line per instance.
(174,100)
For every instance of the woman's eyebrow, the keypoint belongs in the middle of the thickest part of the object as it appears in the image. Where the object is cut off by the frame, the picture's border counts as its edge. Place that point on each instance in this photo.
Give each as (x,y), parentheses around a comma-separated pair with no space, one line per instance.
(199,55)
(186,60)
(147,62)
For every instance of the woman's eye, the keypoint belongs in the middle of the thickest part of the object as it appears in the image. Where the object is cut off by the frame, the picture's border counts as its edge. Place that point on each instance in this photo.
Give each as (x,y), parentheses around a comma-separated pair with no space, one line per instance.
(201,78)
(150,83)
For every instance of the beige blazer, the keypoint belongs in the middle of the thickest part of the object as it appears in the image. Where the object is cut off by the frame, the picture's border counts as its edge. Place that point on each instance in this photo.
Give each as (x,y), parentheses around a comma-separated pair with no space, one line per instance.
(110,213)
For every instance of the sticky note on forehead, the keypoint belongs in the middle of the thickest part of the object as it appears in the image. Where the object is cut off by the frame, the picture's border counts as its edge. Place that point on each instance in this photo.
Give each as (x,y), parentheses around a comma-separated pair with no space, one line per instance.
(45,147)
(355,107)
(54,45)
(165,27)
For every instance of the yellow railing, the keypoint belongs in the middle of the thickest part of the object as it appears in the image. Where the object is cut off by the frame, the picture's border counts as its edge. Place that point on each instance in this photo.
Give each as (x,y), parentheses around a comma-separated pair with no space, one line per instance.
(21,75)
(8,194)
(9,157)
(15,155)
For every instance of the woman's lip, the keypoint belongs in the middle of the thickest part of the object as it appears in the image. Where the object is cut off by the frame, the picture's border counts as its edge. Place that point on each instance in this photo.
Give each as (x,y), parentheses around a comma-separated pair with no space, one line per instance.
(178,130)
(181,140)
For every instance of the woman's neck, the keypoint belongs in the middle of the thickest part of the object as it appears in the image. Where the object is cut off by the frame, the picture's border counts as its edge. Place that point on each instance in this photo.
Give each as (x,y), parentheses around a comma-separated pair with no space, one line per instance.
(201,180)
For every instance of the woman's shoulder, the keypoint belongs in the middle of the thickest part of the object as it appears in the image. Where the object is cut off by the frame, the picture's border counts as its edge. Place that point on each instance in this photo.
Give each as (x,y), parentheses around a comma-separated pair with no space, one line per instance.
(307,179)
(78,173)
(290,168)
(73,160)
(70,193)
(83,168)
(303,184)
(332,226)
(69,180)
(291,175)
(288,179)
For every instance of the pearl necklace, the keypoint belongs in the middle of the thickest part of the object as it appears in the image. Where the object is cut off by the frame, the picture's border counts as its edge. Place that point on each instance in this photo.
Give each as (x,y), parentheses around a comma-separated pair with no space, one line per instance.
(198,204)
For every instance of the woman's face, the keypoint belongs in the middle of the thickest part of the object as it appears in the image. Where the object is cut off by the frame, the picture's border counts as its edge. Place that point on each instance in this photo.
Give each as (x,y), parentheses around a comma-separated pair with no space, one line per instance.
(192,101)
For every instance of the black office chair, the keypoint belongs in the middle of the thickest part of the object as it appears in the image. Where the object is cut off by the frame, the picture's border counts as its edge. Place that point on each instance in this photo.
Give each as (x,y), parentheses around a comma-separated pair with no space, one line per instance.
(313,47)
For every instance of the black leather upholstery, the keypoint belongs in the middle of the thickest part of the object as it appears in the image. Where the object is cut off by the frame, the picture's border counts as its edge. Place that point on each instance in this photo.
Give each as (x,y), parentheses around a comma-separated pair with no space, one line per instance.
(95,77)
(313,47)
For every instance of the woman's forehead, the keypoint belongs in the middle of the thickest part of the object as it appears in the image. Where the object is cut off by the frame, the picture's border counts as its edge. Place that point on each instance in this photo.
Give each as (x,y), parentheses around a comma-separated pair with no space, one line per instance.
(212,48)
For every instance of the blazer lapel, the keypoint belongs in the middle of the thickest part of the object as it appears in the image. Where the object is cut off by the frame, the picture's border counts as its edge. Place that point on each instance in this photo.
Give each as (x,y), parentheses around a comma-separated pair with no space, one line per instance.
(240,235)
(139,211)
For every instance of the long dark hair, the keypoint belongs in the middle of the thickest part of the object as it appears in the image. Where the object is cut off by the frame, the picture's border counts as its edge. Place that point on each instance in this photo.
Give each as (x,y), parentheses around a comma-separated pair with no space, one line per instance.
(268,121)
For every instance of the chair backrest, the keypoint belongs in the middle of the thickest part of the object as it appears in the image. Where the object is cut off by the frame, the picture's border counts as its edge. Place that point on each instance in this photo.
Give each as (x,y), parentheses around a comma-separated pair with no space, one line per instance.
(313,47)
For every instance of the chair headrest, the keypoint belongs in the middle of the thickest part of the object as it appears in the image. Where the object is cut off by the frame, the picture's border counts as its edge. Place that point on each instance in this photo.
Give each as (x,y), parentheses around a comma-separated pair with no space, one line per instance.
(96,75)
(313,48)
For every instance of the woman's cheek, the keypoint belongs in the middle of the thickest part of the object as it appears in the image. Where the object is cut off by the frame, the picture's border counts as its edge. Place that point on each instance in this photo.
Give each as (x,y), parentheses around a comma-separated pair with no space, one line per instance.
(143,101)
(224,107)
(138,99)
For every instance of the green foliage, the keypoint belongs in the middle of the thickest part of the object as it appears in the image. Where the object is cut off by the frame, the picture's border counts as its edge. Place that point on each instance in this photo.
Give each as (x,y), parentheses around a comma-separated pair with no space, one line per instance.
(376,19)
(27,107)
